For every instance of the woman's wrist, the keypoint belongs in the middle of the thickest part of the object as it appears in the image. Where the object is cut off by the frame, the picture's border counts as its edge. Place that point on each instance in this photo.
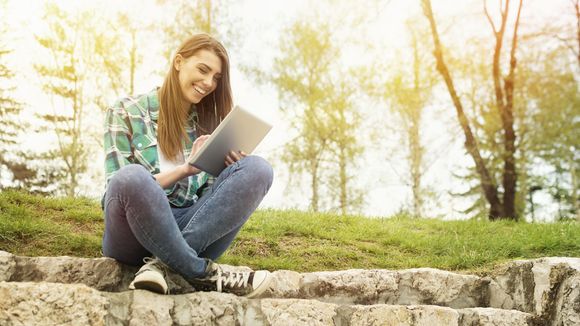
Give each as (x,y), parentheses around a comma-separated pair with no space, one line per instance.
(184,171)
(187,170)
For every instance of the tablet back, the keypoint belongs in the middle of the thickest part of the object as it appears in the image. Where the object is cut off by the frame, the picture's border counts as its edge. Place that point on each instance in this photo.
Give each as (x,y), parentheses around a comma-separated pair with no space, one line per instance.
(239,131)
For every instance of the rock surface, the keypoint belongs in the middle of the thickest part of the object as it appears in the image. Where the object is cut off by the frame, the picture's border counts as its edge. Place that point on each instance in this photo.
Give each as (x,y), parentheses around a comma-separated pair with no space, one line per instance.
(74,291)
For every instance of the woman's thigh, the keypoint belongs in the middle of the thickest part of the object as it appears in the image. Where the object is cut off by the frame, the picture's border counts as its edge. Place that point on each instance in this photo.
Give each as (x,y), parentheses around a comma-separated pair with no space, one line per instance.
(227,204)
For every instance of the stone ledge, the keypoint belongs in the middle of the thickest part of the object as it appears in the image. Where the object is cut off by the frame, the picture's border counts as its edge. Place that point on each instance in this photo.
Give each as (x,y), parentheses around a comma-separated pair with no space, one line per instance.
(74,304)
(547,288)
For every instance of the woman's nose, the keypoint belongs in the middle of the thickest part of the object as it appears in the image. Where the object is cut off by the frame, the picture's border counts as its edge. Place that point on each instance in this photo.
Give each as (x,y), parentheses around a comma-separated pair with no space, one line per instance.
(208,81)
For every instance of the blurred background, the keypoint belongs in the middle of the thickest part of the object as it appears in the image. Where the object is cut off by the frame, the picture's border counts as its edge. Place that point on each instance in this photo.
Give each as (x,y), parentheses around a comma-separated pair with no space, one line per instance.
(434,109)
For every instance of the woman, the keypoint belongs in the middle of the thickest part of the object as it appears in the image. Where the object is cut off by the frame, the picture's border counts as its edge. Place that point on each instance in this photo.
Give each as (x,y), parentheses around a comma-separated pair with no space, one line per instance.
(158,205)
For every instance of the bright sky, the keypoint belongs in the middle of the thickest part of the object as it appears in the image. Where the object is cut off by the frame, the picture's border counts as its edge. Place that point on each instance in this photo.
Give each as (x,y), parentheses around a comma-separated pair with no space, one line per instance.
(261,24)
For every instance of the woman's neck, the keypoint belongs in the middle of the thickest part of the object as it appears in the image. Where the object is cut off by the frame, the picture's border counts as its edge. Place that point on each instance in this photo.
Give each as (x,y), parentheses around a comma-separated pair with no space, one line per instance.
(186,106)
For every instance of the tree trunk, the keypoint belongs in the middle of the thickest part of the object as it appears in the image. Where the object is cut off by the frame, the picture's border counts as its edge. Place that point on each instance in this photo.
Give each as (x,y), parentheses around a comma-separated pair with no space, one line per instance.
(416,150)
(577,8)
(208,22)
(505,105)
(487,183)
(314,183)
(416,173)
(574,187)
(342,174)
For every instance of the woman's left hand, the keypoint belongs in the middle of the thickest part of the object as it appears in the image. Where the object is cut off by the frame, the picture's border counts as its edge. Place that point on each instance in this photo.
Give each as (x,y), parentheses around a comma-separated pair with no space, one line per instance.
(234,156)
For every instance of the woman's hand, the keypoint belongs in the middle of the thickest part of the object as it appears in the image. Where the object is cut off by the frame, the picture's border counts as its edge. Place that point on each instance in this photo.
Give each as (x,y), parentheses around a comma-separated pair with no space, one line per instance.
(234,156)
(197,144)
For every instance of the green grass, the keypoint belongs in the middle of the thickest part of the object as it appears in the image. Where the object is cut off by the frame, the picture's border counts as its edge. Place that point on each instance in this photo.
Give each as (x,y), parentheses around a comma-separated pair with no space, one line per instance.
(300,241)
(37,226)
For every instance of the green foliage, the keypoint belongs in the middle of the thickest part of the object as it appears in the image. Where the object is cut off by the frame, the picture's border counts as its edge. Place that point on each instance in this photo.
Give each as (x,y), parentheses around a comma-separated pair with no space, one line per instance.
(80,52)
(547,99)
(553,128)
(407,88)
(273,239)
(317,96)
(195,16)
(13,170)
(86,60)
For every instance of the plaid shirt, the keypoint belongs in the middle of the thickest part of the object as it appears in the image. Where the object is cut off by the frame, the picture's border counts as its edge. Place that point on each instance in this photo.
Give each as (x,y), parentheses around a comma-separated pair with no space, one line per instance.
(131,138)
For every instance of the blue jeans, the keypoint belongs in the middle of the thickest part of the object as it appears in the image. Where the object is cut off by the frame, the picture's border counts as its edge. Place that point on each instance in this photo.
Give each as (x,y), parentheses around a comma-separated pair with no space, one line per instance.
(139,221)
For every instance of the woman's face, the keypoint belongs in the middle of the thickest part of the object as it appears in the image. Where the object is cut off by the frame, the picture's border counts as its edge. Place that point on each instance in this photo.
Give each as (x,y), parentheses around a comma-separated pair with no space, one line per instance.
(198,75)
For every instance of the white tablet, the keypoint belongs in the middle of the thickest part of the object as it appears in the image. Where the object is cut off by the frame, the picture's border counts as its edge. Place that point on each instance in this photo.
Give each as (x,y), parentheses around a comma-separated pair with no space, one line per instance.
(239,131)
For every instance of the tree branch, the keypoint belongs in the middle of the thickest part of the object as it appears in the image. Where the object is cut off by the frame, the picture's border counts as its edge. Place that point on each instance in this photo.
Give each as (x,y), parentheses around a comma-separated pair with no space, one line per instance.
(487,182)
(577,7)
(489,17)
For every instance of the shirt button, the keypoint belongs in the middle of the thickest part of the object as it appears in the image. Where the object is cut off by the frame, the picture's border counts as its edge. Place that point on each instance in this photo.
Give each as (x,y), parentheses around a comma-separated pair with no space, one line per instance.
(139,145)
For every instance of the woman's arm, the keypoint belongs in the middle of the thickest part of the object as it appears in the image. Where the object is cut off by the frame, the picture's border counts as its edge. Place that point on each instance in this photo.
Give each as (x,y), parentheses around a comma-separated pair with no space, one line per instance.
(117,141)
(168,178)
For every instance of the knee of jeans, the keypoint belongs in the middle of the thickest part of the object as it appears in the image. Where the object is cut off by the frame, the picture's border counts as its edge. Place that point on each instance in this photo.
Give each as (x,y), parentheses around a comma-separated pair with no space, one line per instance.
(132,175)
(261,169)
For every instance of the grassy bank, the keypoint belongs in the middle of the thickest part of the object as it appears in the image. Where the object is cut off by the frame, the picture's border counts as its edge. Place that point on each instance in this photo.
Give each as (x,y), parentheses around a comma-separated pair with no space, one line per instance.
(274,239)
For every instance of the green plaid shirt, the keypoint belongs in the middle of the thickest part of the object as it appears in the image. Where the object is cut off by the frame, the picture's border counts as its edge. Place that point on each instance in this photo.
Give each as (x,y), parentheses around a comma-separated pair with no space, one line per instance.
(131,138)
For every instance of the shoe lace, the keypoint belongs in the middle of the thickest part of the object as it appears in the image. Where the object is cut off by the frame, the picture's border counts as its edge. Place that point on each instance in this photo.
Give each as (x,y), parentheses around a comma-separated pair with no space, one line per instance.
(153,263)
(231,279)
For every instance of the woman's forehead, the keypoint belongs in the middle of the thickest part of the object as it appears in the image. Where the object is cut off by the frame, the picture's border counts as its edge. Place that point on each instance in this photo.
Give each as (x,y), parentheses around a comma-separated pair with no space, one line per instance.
(208,58)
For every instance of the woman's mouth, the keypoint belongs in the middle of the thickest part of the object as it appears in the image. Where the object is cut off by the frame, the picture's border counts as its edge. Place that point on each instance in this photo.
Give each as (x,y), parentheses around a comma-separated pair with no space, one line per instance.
(199,90)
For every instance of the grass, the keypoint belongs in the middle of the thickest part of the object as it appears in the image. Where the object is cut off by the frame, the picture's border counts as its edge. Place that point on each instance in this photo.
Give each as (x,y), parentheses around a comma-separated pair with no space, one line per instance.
(300,241)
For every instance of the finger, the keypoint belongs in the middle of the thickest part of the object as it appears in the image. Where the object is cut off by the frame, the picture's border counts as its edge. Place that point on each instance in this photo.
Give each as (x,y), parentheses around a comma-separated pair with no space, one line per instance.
(234,156)
(243,154)
(199,141)
(229,160)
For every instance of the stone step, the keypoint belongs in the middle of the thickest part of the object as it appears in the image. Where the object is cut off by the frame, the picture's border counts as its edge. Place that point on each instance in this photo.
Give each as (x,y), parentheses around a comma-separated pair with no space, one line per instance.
(31,303)
(547,288)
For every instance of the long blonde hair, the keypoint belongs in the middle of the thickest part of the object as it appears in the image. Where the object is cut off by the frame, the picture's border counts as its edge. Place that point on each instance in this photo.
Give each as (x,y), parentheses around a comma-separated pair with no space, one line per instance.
(210,110)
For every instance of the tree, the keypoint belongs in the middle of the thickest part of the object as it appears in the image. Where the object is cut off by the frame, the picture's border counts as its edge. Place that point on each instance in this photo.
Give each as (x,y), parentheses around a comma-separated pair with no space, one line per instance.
(503,92)
(14,170)
(9,114)
(320,107)
(80,55)
(344,146)
(576,4)
(408,90)
(196,16)
(302,78)
(552,92)
(119,55)
(135,58)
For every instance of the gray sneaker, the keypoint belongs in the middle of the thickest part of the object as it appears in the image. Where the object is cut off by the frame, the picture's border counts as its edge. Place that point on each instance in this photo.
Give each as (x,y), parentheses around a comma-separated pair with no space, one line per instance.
(151,276)
(249,284)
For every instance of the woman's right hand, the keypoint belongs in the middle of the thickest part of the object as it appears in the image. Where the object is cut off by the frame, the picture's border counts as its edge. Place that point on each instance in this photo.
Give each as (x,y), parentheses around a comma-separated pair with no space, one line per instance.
(197,144)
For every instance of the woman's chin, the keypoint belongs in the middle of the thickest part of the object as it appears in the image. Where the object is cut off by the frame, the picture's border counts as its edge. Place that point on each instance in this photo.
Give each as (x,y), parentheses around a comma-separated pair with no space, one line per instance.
(194,100)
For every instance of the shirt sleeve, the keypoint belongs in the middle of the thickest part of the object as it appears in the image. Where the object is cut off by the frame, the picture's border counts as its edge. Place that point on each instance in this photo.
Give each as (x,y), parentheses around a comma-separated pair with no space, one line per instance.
(117,140)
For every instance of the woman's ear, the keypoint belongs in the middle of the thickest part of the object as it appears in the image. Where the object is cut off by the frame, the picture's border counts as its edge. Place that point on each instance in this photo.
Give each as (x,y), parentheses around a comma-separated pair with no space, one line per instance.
(178,62)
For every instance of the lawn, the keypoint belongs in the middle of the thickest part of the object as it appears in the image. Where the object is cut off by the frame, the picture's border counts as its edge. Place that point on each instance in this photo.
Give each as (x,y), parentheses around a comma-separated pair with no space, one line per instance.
(302,241)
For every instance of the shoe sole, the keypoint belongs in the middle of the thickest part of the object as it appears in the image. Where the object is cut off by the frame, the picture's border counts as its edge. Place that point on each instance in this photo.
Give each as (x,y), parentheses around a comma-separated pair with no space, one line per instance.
(153,282)
(150,286)
(262,288)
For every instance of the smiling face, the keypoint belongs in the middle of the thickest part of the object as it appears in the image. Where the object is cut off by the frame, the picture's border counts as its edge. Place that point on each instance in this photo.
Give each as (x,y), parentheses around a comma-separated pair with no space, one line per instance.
(198,75)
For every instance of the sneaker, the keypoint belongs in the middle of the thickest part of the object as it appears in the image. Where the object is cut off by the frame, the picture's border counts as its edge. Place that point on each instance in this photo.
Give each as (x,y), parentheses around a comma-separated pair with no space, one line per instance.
(151,276)
(249,284)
